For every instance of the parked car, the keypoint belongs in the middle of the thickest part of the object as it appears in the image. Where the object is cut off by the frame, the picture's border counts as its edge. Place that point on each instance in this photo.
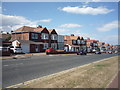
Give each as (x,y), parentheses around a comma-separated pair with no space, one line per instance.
(97,52)
(82,52)
(16,49)
(93,50)
(116,51)
(110,52)
(4,51)
(50,51)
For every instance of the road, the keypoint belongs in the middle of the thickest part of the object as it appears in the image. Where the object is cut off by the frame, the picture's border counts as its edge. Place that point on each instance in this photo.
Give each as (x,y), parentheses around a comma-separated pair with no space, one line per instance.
(19,70)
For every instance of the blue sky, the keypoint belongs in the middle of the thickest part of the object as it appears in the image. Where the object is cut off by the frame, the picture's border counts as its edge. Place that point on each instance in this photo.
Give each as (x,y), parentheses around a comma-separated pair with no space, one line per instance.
(97,20)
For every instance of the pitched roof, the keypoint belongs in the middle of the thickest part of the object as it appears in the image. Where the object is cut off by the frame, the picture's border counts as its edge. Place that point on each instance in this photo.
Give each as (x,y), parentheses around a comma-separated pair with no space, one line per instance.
(74,37)
(25,28)
(66,37)
(94,41)
(100,42)
(106,45)
(39,29)
(71,37)
(52,31)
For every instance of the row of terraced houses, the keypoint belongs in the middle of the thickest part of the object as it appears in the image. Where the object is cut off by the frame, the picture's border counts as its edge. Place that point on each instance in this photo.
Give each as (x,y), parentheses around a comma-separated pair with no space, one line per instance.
(38,39)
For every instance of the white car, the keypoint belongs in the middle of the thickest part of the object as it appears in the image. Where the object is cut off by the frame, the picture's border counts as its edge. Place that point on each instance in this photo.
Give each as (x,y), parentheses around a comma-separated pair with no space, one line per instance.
(16,49)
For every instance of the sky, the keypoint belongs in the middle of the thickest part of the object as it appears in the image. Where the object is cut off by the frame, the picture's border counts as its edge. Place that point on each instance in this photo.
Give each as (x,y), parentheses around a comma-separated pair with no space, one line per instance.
(95,20)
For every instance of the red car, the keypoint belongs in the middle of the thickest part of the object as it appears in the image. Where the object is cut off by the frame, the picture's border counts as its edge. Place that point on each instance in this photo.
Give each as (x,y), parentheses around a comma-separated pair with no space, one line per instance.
(50,51)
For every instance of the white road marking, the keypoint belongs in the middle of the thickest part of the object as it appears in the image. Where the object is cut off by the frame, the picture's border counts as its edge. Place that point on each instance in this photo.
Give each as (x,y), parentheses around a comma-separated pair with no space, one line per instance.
(5,65)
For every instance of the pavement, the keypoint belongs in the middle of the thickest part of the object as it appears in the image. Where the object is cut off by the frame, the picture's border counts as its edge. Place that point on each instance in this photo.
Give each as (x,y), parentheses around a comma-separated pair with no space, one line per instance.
(20,70)
(21,56)
(114,83)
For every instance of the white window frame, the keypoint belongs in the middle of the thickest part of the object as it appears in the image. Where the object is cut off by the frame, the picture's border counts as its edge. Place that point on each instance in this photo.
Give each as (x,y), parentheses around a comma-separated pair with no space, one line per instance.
(54,37)
(45,45)
(34,36)
(54,45)
(78,41)
(74,41)
(44,36)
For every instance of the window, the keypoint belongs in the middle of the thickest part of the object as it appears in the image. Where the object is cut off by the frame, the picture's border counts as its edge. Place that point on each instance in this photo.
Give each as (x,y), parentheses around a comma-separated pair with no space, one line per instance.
(78,41)
(54,37)
(44,36)
(45,45)
(74,41)
(34,36)
(83,42)
(54,45)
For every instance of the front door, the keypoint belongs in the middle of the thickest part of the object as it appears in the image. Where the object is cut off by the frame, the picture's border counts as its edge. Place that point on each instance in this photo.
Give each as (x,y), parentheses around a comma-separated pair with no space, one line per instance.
(37,48)
(41,47)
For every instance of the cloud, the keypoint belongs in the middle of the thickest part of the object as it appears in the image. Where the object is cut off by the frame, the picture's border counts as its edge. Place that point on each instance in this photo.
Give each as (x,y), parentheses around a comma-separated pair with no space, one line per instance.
(13,22)
(70,25)
(46,20)
(86,10)
(111,39)
(62,31)
(109,26)
(96,0)
(85,35)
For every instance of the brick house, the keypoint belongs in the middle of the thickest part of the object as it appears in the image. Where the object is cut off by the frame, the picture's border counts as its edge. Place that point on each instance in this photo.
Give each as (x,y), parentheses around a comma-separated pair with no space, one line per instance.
(53,38)
(38,39)
(107,47)
(92,45)
(74,43)
(101,46)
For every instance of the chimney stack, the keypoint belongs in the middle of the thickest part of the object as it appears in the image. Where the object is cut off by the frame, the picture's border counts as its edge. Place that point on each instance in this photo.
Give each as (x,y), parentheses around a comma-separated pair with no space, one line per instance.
(72,34)
(39,26)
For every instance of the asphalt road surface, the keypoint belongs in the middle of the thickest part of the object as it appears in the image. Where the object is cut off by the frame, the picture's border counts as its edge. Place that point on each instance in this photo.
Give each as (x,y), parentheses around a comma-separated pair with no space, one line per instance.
(20,70)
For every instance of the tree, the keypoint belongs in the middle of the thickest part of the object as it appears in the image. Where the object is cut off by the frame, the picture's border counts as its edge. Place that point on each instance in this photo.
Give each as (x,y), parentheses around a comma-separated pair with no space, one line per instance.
(8,38)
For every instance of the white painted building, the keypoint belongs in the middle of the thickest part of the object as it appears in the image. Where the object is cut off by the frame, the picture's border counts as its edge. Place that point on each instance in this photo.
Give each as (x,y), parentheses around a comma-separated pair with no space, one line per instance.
(25,45)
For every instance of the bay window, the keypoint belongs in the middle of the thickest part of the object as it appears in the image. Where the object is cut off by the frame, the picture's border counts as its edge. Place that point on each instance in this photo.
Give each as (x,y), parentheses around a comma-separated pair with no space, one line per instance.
(54,45)
(44,36)
(54,37)
(45,45)
(78,41)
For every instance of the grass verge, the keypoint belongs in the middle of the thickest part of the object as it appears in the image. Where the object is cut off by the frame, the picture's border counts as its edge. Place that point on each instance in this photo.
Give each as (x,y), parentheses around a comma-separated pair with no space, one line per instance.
(94,75)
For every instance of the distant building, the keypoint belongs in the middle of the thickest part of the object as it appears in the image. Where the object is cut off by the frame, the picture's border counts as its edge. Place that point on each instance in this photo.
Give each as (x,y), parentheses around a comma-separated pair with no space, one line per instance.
(107,47)
(101,46)
(92,45)
(74,43)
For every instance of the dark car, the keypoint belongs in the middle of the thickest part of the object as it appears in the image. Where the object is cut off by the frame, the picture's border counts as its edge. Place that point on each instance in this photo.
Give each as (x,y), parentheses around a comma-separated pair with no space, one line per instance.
(97,52)
(82,52)
(110,52)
